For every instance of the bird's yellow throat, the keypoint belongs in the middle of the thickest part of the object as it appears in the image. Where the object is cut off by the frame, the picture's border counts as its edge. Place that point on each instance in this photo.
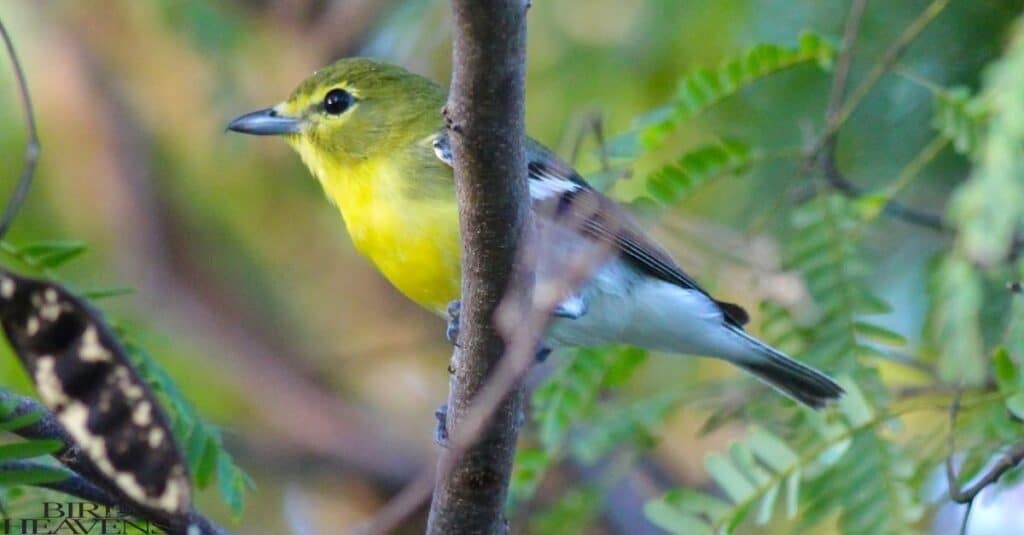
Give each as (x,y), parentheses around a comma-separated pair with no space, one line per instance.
(412,238)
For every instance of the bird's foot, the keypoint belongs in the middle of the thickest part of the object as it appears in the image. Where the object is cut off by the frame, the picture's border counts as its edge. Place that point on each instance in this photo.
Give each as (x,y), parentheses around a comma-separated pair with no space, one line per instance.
(451,331)
(441,428)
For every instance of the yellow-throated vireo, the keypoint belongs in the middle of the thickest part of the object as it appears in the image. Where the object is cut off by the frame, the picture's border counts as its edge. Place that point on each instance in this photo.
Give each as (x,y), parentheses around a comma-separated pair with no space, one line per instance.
(373,135)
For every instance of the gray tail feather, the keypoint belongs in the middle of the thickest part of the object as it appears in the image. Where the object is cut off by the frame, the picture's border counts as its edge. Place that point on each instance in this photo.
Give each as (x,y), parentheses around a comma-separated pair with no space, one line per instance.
(794,379)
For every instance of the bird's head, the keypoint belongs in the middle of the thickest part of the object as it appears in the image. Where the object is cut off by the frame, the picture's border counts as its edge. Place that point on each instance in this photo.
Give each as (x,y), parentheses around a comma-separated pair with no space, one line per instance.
(349,111)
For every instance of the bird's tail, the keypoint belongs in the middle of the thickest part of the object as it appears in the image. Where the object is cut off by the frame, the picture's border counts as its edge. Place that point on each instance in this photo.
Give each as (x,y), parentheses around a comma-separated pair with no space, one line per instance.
(798,381)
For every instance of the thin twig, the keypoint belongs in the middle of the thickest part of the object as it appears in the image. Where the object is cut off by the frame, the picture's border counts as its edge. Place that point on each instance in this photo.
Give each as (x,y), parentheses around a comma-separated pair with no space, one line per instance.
(1006,462)
(844,61)
(895,209)
(592,123)
(837,112)
(967,517)
(889,59)
(32,146)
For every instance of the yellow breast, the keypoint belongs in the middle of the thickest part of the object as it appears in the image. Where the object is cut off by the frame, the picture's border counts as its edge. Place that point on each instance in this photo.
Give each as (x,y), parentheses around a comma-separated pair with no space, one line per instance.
(414,242)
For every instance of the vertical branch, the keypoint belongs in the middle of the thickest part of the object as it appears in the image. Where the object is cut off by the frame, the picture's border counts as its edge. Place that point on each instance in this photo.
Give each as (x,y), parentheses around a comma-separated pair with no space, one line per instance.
(485,115)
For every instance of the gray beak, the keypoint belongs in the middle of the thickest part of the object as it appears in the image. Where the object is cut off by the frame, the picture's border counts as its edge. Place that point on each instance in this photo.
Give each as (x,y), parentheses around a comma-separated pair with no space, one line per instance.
(266,123)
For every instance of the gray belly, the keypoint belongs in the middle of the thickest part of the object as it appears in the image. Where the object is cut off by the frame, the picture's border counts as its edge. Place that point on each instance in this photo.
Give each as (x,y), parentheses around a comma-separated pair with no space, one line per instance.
(608,297)
(628,307)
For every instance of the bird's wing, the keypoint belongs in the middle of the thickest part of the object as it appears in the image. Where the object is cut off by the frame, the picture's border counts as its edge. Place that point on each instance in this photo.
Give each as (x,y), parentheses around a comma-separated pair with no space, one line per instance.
(558,192)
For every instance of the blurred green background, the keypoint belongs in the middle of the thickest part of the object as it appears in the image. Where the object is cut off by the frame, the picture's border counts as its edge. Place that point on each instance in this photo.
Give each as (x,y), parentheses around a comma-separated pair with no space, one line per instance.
(248,290)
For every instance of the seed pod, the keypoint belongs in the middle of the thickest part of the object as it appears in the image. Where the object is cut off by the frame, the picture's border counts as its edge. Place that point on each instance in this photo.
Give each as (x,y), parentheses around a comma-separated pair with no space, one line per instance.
(83,375)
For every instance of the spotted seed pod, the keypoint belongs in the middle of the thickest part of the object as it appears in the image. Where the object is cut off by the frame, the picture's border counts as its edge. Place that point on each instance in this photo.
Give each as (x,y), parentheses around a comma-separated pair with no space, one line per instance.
(83,375)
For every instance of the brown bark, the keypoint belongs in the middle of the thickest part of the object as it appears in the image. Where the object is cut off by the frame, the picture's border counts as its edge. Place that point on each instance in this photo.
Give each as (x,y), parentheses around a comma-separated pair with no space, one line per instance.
(485,113)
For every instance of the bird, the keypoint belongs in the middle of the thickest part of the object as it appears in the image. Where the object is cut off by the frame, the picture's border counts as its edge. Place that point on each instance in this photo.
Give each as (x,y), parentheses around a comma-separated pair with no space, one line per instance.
(373,135)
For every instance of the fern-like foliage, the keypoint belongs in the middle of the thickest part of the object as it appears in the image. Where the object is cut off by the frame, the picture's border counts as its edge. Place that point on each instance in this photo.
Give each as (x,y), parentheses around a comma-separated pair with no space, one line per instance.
(872,479)
(569,396)
(673,181)
(762,470)
(824,251)
(571,514)
(565,402)
(705,87)
(983,428)
(856,467)
(816,453)
(635,424)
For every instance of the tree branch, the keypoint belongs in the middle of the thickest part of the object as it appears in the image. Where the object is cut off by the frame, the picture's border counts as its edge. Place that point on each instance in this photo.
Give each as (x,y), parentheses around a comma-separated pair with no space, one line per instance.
(839,113)
(1006,462)
(485,113)
(824,151)
(84,479)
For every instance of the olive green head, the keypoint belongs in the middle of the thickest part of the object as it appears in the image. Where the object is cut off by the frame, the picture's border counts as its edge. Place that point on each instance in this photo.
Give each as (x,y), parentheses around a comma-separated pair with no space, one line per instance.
(351,109)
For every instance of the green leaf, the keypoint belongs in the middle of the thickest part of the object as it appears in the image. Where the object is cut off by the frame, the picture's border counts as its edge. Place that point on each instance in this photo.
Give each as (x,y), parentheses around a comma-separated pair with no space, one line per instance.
(29,449)
(869,206)
(793,493)
(772,450)
(622,366)
(764,511)
(854,405)
(960,118)
(529,468)
(672,182)
(207,462)
(107,293)
(195,447)
(685,510)
(22,421)
(729,477)
(1006,372)
(1015,404)
(875,333)
(675,521)
(51,254)
(232,484)
(36,475)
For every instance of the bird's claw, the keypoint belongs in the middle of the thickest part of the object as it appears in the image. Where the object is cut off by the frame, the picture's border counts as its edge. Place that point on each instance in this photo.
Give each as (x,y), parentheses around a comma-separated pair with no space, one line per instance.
(441,427)
(451,331)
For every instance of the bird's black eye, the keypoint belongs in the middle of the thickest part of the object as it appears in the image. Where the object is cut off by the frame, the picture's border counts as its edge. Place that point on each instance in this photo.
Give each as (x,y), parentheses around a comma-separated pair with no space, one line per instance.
(337,101)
